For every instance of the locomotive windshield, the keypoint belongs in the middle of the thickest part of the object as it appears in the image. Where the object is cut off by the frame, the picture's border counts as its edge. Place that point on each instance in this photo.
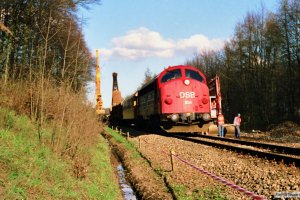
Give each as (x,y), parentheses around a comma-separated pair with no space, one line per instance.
(170,75)
(194,75)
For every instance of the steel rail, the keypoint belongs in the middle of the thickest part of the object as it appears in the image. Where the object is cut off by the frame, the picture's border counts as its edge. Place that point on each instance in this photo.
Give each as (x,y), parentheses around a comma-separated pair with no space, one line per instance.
(272,147)
(261,154)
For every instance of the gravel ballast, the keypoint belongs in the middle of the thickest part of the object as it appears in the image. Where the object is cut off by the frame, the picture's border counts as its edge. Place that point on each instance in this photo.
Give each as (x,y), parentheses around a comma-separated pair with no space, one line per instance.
(260,176)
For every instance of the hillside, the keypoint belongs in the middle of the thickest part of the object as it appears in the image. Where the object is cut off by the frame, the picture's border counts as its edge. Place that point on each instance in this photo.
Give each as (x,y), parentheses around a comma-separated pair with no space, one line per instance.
(29,169)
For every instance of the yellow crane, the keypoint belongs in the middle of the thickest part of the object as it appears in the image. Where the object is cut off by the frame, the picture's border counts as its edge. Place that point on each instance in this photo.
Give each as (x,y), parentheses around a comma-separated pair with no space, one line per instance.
(99,109)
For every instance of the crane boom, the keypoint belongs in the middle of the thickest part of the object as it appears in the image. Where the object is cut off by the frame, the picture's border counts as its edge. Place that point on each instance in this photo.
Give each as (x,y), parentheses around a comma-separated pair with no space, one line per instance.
(99,108)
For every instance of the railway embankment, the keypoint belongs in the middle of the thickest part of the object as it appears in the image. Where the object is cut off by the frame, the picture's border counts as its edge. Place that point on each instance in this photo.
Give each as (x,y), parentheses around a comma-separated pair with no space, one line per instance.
(259,176)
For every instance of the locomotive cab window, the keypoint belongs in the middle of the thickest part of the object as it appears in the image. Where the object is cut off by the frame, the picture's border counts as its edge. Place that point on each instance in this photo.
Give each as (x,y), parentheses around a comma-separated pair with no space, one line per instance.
(170,75)
(193,75)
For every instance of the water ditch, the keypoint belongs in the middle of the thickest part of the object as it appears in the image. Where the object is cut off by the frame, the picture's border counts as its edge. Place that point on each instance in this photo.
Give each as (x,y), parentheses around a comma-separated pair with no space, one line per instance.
(127,190)
(141,178)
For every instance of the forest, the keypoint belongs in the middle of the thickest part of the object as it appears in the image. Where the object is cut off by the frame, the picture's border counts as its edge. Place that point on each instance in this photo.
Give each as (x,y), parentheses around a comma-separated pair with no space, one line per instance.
(259,67)
(43,39)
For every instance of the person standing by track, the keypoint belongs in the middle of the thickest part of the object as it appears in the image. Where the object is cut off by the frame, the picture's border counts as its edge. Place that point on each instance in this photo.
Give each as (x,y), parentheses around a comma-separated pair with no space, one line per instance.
(237,122)
(220,125)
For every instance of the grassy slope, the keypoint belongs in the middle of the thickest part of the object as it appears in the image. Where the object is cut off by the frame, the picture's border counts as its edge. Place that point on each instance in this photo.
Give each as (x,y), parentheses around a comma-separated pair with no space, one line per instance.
(29,170)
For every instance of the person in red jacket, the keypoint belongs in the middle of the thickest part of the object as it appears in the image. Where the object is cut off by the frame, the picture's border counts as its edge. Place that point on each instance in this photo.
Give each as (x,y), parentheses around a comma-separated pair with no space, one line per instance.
(220,125)
(237,122)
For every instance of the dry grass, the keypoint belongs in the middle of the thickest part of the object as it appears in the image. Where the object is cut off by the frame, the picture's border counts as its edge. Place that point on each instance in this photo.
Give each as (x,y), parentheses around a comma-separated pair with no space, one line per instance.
(5,29)
(72,121)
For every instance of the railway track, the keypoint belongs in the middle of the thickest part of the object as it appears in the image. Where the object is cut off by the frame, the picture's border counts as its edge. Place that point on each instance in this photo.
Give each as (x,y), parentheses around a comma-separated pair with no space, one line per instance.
(288,155)
(272,147)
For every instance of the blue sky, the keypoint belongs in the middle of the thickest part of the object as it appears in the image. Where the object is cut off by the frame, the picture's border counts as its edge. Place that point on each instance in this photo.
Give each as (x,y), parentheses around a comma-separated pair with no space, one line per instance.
(133,35)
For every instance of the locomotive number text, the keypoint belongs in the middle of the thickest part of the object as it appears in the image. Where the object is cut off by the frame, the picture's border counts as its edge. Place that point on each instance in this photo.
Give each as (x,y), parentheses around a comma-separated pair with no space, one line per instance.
(187,95)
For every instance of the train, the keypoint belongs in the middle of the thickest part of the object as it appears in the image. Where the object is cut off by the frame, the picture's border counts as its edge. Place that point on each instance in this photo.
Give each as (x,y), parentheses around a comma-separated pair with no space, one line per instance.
(178,99)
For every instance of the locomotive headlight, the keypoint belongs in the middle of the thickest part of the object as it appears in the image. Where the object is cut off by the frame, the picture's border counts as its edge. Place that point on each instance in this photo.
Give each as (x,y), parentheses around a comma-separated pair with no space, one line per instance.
(174,117)
(206,117)
(187,82)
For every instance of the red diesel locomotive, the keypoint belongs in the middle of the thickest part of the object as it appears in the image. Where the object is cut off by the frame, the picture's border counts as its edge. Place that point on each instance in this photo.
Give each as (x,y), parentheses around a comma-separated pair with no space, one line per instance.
(178,99)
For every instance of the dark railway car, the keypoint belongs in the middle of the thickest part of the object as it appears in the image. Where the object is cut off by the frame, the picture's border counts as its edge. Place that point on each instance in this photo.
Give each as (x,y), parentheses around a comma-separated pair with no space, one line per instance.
(176,100)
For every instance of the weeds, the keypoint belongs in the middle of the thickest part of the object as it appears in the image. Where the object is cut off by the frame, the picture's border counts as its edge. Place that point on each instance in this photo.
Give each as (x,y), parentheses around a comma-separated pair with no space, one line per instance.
(181,192)
(202,194)
(119,138)
(8,121)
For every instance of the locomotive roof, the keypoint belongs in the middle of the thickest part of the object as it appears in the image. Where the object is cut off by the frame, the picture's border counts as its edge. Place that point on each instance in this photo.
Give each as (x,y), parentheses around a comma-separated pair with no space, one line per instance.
(165,69)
